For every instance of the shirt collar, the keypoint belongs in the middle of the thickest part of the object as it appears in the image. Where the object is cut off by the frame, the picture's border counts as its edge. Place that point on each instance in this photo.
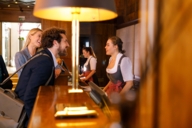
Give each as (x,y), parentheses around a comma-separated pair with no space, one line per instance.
(54,59)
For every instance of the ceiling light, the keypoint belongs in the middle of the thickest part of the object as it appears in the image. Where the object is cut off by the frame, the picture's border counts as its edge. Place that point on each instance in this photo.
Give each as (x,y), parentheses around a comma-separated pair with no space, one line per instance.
(97,10)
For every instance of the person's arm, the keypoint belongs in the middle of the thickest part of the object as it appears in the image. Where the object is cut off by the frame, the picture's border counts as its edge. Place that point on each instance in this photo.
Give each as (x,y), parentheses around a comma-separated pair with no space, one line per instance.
(127,87)
(19,61)
(40,72)
(80,75)
(126,70)
(89,76)
(105,88)
(93,63)
(57,71)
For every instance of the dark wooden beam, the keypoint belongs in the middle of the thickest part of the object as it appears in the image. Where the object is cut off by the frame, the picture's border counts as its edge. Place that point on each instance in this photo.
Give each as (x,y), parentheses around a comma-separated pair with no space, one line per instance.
(119,26)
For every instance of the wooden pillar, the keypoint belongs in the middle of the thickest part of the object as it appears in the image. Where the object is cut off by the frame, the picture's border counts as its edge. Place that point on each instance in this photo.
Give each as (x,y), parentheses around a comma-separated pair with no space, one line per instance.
(166,85)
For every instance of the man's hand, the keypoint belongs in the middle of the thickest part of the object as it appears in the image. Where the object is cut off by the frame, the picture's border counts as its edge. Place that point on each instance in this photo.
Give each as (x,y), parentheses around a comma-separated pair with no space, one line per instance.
(57,72)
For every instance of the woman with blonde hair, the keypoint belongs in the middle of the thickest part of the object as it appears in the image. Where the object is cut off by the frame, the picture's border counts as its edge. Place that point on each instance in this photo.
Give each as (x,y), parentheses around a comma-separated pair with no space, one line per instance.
(33,42)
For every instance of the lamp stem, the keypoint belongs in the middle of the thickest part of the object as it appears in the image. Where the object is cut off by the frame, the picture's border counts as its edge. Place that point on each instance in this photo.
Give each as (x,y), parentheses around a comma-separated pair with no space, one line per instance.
(75,53)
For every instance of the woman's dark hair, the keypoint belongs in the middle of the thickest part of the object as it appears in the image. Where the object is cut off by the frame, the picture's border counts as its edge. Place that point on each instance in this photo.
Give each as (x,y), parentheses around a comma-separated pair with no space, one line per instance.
(90,50)
(51,34)
(117,41)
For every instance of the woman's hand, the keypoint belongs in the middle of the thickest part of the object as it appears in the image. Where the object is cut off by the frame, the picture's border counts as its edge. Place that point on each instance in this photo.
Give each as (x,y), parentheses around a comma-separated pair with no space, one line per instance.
(105,88)
(127,87)
(83,79)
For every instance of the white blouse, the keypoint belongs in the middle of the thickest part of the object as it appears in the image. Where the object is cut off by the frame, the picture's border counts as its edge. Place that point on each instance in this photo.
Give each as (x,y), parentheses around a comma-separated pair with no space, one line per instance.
(125,66)
(93,62)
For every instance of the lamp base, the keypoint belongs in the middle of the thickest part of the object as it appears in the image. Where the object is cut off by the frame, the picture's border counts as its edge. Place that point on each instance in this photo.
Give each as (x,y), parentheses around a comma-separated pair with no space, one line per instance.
(75,90)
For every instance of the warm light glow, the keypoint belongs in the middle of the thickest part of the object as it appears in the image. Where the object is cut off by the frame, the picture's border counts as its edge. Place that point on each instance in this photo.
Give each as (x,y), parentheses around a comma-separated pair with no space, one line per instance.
(98,10)
(75,50)
(77,124)
(75,111)
(76,108)
(75,90)
(86,14)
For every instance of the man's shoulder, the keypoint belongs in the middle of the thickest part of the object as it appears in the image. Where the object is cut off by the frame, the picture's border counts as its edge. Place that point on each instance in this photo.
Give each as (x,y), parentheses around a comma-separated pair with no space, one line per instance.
(42,58)
(44,52)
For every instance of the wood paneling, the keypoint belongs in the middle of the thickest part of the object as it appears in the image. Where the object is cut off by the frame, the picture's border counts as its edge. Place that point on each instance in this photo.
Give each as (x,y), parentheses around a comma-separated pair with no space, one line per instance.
(147,96)
(99,35)
(62,79)
(175,60)
(127,10)
(166,28)
(13,16)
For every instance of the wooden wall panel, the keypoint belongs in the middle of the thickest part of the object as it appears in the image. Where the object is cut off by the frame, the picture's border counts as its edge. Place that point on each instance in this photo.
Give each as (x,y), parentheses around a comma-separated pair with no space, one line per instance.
(147,103)
(166,28)
(127,10)
(99,35)
(175,68)
(85,28)
(12,16)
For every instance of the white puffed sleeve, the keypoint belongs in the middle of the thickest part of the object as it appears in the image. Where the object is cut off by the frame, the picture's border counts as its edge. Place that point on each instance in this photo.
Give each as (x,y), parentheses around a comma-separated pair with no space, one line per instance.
(93,62)
(126,69)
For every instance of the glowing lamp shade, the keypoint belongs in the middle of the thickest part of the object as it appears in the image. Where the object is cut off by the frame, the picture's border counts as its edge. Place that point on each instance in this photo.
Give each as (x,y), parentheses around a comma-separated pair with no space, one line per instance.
(63,10)
(75,11)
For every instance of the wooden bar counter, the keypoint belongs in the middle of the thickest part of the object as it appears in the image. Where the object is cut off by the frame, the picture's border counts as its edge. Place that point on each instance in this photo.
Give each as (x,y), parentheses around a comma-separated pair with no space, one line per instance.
(44,109)
(62,79)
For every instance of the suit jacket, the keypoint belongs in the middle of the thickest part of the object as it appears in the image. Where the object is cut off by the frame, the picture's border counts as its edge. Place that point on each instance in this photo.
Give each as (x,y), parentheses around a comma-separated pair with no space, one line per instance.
(4,72)
(34,74)
(21,58)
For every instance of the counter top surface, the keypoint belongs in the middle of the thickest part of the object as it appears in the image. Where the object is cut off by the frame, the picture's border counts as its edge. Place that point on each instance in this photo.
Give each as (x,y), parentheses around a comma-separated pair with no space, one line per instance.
(44,109)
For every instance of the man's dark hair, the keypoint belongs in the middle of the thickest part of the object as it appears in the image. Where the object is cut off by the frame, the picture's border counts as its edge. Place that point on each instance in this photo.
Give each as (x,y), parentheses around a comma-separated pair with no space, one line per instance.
(51,34)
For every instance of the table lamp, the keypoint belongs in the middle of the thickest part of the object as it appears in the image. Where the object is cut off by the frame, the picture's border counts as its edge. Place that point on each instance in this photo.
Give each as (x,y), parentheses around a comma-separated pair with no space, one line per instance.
(75,11)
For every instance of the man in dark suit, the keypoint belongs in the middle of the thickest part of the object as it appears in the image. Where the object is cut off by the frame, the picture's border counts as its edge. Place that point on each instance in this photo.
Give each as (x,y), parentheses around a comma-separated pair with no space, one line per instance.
(4,74)
(39,70)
